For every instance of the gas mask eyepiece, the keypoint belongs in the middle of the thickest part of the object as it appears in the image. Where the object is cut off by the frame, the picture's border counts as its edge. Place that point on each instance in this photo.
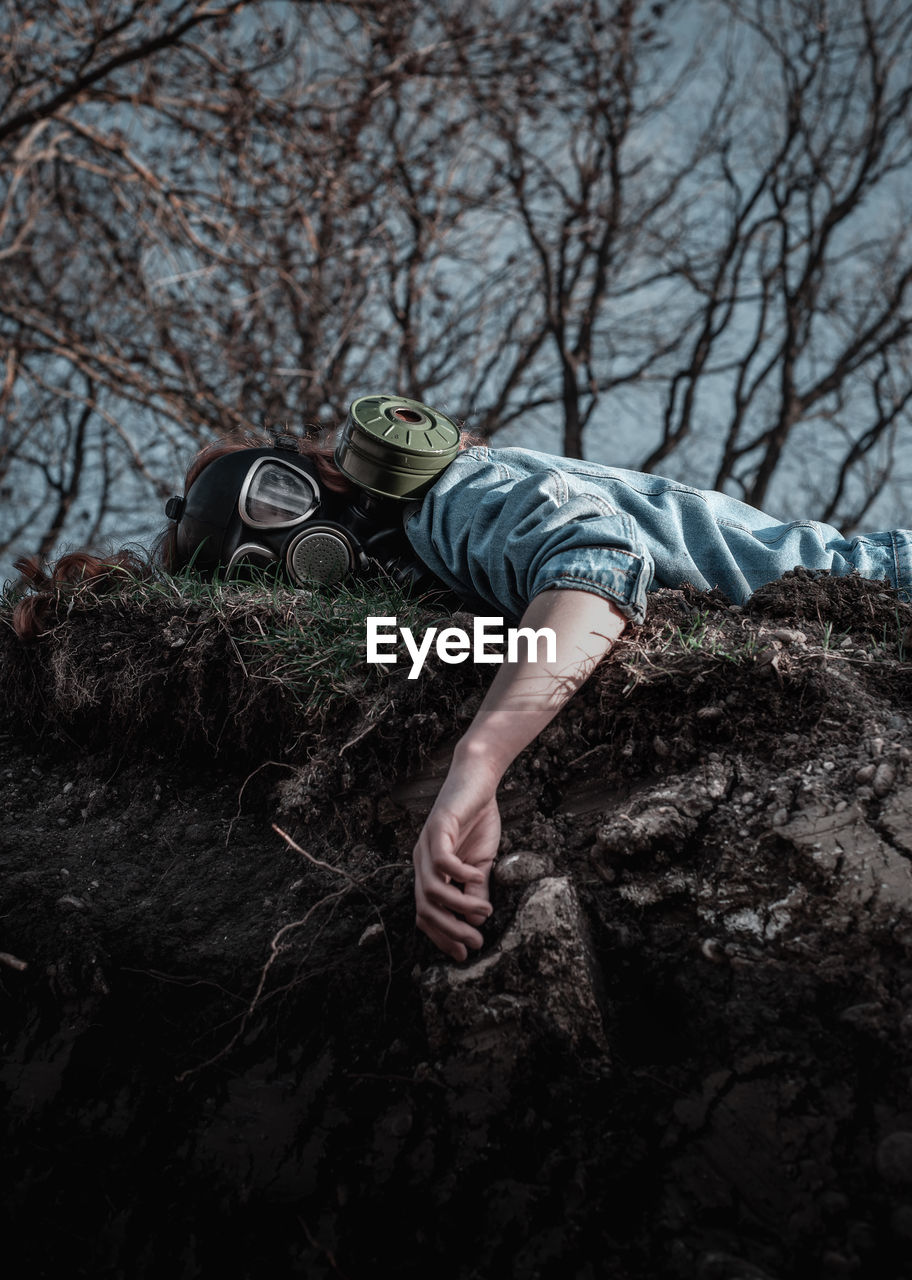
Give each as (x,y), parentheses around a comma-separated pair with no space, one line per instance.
(256,510)
(276,495)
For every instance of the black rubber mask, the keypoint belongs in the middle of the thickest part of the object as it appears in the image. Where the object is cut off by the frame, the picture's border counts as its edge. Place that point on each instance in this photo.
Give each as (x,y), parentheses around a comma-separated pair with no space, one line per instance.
(264,509)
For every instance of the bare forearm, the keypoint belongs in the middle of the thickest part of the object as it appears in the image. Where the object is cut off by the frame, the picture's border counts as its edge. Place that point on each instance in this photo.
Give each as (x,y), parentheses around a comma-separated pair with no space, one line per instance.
(459,841)
(525,695)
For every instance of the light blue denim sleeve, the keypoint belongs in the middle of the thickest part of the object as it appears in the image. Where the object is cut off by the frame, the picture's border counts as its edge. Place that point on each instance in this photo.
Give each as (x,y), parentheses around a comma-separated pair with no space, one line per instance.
(499,538)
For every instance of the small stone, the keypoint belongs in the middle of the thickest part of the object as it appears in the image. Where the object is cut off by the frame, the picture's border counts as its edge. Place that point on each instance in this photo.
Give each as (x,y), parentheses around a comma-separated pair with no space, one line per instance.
(862,1015)
(780,817)
(68,900)
(522,867)
(787,636)
(371,934)
(713,950)
(865,773)
(884,777)
(894,1158)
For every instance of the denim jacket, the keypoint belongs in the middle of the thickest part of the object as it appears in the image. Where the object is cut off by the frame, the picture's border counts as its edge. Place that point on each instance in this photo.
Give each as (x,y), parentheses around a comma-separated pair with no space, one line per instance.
(502,525)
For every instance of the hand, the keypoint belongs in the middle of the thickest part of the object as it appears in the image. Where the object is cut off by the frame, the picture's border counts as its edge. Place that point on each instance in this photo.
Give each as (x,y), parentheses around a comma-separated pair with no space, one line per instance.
(453,860)
(457,846)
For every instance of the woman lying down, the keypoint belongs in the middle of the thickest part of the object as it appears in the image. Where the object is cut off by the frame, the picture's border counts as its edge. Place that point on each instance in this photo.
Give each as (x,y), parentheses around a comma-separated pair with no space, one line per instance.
(554,544)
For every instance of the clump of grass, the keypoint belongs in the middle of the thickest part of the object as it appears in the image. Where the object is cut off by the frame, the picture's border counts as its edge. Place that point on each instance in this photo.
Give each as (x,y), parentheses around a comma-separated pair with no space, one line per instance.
(316,644)
(692,636)
(679,646)
(897,638)
(700,636)
(231,660)
(831,638)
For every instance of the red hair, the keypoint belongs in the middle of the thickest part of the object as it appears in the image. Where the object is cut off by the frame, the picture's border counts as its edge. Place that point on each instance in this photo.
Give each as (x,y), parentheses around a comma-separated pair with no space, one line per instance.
(49,584)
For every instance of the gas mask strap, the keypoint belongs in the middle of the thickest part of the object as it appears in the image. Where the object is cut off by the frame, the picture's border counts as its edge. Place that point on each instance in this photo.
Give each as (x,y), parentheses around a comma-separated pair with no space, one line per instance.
(284,442)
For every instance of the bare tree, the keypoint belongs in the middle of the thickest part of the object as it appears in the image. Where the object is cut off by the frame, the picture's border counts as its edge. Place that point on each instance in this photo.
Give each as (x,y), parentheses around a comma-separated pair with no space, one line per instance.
(565,120)
(672,232)
(799,342)
(217,233)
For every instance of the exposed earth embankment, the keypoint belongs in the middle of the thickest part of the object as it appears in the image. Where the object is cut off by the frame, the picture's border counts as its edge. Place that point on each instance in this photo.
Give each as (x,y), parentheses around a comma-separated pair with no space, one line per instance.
(685,1051)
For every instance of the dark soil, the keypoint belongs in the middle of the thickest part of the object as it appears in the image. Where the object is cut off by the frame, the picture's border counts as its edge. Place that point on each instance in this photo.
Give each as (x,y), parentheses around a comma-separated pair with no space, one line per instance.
(685,1051)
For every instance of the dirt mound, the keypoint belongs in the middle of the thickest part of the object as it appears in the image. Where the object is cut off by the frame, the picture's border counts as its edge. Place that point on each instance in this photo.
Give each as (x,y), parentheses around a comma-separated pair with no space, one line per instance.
(684,1051)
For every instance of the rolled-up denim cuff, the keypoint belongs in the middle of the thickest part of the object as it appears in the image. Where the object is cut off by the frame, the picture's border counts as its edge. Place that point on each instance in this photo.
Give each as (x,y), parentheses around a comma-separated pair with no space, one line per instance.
(624,585)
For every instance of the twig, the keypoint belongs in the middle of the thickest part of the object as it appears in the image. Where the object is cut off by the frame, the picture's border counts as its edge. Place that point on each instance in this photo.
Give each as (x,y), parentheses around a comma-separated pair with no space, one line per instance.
(274,952)
(317,862)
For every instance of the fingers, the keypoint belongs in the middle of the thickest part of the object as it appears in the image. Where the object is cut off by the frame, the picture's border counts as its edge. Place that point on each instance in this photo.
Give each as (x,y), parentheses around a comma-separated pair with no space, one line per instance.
(477,916)
(451,935)
(450,897)
(453,858)
(446,906)
(454,949)
(448,865)
(448,915)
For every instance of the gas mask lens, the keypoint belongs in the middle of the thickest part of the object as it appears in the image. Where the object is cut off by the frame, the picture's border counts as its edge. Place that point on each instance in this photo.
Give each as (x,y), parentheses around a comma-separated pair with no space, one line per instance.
(277,494)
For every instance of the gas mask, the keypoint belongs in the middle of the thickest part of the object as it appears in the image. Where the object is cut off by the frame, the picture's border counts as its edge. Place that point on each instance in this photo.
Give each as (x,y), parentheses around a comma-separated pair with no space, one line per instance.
(264,509)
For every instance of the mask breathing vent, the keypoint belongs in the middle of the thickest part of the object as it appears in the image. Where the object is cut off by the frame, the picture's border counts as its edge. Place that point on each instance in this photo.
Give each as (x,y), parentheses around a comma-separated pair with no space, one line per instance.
(321,556)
